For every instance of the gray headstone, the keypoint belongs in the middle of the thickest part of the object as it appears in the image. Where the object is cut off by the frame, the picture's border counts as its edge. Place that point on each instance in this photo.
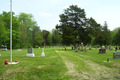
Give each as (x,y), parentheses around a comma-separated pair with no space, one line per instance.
(30,50)
(82,46)
(116,55)
(96,48)
(102,51)
(76,49)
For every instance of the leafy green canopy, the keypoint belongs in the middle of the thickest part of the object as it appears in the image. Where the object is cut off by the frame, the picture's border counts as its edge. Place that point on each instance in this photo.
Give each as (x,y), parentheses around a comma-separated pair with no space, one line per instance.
(75,27)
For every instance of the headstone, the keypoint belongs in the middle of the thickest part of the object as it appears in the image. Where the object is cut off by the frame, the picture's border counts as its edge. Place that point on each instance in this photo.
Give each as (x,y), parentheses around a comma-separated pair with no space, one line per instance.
(43,54)
(102,51)
(65,47)
(3,47)
(0,54)
(30,52)
(76,49)
(111,48)
(96,48)
(72,47)
(119,47)
(116,55)
(82,46)
(39,47)
(90,48)
(85,49)
(19,49)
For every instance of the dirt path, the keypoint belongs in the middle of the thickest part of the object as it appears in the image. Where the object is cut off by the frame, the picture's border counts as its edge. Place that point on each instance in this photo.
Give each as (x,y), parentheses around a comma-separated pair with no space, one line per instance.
(95,72)
(71,68)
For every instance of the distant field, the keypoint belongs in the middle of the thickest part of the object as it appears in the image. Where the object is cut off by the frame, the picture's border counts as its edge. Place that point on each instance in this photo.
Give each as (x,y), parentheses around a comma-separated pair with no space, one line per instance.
(60,64)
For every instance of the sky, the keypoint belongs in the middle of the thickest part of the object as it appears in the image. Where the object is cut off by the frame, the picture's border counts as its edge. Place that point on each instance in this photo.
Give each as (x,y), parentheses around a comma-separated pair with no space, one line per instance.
(46,12)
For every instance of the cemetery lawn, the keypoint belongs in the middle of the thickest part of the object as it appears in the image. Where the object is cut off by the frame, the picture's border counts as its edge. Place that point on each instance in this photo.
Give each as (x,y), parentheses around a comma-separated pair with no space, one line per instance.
(60,64)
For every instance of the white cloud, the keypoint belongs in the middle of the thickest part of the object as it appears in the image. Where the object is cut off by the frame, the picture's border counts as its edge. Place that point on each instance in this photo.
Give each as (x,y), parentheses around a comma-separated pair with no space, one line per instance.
(43,14)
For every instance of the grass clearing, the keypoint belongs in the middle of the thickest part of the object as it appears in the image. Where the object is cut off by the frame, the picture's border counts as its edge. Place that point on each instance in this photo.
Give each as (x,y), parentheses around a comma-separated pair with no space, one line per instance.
(60,64)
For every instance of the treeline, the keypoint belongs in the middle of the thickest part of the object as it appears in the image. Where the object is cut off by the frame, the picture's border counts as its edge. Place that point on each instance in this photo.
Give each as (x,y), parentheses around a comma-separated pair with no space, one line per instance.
(75,28)
(25,32)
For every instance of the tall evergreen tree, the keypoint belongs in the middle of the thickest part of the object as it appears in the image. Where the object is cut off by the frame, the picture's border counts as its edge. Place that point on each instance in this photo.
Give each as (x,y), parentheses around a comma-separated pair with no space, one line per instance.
(72,25)
(116,39)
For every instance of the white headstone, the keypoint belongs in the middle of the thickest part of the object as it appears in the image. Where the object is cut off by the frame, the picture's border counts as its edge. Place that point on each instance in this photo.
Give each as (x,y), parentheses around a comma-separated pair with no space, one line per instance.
(43,54)
(19,49)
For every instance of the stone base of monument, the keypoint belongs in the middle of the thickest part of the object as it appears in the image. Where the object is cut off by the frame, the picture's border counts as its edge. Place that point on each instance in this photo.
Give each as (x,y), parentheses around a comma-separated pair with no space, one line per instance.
(116,55)
(30,54)
(12,62)
(102,51)
(43,55)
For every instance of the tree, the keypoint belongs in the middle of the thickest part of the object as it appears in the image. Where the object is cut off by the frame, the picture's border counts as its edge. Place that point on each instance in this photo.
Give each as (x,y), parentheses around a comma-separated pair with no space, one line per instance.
(56,37)
(116,39)
(15,29)
(72,25)
(106,33)
(104,37)
(45,36)
(23,36)
(49,39)
(28,21)
(37,37)
(3,32)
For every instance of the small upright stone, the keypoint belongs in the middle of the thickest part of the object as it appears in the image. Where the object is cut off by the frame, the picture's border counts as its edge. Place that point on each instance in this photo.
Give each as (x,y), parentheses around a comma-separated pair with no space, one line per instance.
(85,49)
(76,49)
(82,46)
(96,48)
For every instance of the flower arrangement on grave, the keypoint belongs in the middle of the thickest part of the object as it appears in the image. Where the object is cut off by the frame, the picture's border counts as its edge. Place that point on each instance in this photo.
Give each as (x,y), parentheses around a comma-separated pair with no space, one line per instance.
(6,62)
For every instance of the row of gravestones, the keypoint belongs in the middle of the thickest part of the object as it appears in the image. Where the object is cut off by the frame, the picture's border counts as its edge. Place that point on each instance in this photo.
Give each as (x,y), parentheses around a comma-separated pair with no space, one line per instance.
(102,50)
(3,47)
(31,54)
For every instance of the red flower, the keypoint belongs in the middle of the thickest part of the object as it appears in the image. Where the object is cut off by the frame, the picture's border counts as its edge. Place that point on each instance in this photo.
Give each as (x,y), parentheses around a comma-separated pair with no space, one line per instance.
(6,62)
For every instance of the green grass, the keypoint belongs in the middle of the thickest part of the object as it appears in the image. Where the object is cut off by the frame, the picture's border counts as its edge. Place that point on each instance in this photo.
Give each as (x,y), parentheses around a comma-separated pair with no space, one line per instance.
(60,64)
